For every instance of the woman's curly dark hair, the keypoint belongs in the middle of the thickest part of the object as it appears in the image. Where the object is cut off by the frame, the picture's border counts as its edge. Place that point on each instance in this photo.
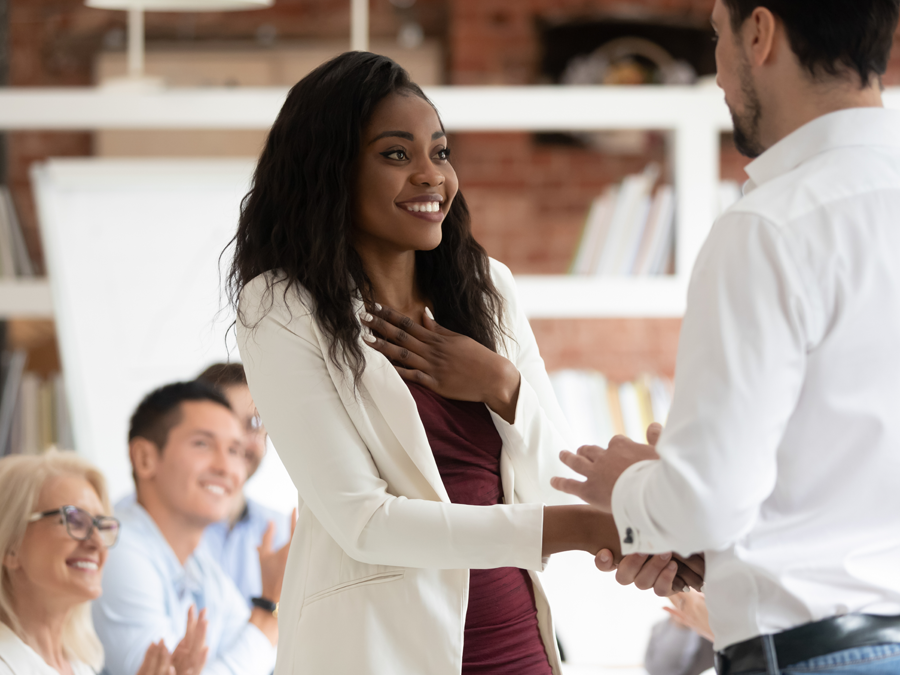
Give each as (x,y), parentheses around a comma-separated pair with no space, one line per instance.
(297,217)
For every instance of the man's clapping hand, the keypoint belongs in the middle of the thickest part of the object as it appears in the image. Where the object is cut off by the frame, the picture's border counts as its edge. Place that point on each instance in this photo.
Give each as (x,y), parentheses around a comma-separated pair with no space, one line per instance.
(272,562)
(190,655)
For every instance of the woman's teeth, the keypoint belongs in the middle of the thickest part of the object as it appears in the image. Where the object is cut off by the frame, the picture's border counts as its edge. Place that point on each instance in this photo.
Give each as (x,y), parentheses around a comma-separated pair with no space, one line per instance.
(424,207)
(215,489)
(85,565)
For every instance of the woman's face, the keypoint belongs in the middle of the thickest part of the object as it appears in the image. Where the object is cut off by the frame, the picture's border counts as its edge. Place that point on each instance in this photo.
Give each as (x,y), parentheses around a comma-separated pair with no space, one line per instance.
(51,567)
(404,181)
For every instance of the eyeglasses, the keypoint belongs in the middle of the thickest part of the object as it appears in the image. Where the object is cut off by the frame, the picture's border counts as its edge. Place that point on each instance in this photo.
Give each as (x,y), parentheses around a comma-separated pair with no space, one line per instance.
(255,425)
(80,524)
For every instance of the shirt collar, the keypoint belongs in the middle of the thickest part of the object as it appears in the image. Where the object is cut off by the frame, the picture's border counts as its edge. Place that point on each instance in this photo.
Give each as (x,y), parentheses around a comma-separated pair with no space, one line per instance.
(853,127)
(187,578)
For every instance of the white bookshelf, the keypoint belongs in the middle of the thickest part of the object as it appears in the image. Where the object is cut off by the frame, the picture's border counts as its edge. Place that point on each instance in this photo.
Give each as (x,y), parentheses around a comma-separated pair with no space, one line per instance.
(694,115)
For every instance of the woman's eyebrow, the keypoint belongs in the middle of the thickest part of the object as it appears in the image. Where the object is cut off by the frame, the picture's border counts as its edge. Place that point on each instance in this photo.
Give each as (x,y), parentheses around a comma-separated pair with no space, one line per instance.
(404,135)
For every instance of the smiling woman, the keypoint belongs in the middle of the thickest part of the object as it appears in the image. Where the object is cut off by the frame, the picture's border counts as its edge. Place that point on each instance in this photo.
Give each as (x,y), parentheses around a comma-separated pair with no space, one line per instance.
(422,452)
(54,534)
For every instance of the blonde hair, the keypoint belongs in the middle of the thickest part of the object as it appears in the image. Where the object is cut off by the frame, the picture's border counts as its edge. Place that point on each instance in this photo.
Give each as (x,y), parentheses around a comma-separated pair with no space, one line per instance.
(21,479)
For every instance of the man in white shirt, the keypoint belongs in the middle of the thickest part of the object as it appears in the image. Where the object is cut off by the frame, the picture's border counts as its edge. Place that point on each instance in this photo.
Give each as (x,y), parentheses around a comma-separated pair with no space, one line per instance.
(186,448)
(781,455)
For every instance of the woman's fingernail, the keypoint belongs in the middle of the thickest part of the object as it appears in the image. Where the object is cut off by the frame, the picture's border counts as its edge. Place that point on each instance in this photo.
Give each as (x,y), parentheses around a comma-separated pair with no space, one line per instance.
(365,316)
(665,556)
(368,337)
(686,589)
(429,314)
(672,566)
(377,307)
(605,557)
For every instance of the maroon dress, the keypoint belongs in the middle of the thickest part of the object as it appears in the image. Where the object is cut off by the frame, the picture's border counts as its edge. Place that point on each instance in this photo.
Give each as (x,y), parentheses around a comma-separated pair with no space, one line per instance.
(501,634)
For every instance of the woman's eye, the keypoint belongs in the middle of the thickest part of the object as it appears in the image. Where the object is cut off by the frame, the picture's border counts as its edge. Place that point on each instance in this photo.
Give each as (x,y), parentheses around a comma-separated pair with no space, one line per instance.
(399,155)
(443,154)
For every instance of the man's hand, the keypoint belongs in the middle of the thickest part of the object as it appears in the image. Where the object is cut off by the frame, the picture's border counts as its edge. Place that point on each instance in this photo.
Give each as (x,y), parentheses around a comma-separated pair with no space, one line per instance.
(601,468)
(189,656)
(157,660)
(272,563)
(667,574)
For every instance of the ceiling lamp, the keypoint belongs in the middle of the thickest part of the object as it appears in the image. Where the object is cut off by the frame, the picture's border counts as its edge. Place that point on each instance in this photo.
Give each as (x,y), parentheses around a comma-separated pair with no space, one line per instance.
(136,9)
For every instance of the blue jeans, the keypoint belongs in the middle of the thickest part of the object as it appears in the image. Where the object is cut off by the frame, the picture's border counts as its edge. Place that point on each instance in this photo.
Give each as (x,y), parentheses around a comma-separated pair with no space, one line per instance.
(877,660)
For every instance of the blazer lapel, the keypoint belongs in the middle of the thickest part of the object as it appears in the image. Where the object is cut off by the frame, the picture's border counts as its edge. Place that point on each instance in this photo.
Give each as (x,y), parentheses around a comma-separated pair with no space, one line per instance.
(387,391)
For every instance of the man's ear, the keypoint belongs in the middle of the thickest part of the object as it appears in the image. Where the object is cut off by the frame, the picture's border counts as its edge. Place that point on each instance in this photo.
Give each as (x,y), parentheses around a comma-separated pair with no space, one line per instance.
(760,36)
(145,457)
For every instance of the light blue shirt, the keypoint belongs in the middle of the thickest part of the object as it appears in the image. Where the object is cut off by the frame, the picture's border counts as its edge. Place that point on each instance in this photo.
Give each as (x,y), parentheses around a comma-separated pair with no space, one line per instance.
(234,548)
(146,596)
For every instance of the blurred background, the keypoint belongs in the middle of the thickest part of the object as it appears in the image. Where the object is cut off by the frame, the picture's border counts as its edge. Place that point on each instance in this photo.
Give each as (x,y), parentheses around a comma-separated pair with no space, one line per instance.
(121,171)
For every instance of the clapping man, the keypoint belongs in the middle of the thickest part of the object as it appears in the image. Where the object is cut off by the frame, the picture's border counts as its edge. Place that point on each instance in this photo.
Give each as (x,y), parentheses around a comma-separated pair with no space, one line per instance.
(782,450)
(187,451)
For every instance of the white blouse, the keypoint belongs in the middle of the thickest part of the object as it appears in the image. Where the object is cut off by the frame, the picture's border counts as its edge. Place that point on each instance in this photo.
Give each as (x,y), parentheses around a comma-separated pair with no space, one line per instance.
(17,658)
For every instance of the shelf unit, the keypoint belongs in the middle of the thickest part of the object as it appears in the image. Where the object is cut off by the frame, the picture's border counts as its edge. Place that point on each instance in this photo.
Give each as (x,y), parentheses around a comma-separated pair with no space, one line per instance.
(694,115)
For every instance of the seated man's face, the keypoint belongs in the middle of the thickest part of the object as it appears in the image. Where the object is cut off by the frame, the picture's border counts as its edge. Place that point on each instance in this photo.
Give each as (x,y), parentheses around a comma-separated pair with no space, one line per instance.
(202,465)
(254,434)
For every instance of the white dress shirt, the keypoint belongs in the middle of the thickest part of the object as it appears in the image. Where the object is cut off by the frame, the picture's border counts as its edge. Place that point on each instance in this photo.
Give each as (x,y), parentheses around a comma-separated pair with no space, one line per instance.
(781,455)
(17,658)
(146,596)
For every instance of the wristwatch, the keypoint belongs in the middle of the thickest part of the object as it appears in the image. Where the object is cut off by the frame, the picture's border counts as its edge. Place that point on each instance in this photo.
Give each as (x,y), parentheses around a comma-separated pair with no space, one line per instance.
(266,604)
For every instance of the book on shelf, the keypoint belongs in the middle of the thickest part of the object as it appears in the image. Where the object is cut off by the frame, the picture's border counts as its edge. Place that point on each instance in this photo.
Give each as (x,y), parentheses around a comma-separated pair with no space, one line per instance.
(34,413)
(630,229)
(15,260)
(598,409)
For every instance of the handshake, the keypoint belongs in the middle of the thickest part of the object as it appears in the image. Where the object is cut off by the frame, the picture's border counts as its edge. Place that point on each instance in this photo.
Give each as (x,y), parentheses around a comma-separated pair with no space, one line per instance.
(667,573)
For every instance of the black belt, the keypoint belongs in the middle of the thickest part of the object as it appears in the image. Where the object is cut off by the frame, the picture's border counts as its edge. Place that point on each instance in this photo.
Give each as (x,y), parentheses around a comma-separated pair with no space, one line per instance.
(807,642)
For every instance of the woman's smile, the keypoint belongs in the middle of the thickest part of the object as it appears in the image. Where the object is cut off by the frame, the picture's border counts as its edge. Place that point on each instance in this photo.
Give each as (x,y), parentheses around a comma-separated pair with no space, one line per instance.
(427,207)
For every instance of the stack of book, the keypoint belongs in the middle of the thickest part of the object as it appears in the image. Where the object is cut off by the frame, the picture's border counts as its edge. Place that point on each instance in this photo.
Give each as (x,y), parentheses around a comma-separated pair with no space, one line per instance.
(14,258)
(598,409)
(630,228)
(34,415)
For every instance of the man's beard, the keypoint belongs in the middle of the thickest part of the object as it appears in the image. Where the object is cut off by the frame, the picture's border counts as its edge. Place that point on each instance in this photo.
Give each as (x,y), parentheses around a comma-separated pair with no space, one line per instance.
(746,125)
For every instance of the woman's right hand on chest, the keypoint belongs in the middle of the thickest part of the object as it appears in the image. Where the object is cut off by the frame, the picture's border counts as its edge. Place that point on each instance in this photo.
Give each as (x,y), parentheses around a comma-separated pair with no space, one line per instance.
(450,364)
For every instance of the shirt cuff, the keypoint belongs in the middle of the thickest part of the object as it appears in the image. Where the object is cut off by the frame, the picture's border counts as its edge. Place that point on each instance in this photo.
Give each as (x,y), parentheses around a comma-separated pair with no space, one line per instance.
(636,531)
(261,647)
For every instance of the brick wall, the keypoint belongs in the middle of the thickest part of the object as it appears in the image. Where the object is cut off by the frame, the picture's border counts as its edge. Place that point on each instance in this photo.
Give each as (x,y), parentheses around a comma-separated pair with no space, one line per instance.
(528,200)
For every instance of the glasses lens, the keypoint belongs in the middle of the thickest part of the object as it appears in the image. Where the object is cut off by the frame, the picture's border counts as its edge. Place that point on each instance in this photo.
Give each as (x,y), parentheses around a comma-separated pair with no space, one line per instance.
(109,531)
(78,523)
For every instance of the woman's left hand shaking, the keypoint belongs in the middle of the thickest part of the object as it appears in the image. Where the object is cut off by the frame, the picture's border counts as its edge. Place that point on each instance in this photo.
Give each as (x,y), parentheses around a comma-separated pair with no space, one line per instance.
(452,365)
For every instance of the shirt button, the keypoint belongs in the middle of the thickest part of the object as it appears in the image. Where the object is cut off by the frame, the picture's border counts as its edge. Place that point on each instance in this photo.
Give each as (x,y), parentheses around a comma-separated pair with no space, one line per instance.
(629,536)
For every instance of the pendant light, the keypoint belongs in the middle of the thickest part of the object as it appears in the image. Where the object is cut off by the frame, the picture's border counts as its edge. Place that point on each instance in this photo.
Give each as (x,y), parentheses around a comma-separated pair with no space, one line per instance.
(136,9)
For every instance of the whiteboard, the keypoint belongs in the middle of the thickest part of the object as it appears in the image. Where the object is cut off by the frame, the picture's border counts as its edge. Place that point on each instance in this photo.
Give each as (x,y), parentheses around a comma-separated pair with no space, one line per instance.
(132,250)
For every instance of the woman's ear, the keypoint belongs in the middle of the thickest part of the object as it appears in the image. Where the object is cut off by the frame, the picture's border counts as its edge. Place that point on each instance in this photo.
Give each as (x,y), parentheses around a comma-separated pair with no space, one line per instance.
(145,457)
(11,560)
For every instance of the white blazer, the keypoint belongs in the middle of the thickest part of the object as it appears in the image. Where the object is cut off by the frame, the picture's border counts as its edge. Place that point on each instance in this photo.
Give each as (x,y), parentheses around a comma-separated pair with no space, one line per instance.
(17,658)
(377,578)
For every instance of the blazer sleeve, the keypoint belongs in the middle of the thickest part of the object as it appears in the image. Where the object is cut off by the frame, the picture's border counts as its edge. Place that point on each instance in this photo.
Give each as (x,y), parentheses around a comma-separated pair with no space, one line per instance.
(540,430)
(334,472)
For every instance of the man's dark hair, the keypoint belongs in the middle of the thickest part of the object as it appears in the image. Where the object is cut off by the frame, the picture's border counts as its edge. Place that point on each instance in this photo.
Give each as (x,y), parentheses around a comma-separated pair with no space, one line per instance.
(831,36)
(224,375)
(161,409)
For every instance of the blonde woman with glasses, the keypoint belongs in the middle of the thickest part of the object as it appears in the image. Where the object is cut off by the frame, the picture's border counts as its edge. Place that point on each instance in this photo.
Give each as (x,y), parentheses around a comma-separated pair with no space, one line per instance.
(54,537)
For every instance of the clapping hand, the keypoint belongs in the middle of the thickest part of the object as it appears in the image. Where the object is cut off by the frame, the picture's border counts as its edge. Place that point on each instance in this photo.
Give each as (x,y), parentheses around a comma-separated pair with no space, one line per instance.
(690,611)
(157,661)
(452,365)
(190,655)
(272,562)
